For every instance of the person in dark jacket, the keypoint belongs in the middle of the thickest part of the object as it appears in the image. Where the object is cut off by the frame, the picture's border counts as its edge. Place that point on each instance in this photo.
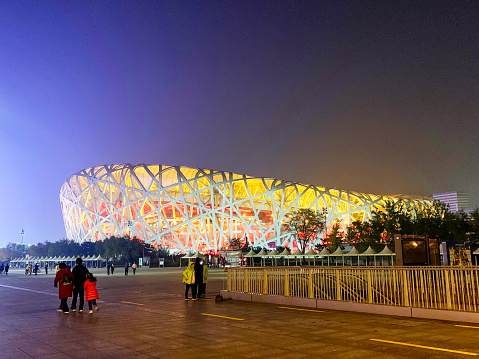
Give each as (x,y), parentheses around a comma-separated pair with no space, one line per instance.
(7,266)
(1,268)
(127,266)
(205,279)
(198,276)
(65,281)
(79,272)
(112,268)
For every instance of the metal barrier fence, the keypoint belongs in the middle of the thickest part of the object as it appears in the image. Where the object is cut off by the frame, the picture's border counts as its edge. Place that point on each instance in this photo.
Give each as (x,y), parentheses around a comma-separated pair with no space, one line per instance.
(449,288)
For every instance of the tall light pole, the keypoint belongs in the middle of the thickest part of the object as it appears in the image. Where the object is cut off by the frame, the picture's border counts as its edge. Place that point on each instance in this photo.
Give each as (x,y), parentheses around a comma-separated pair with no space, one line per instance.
(23,232)
(129,229)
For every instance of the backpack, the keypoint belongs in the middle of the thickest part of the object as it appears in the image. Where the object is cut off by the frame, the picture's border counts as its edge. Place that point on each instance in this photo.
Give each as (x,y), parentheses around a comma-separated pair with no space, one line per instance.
(66,280)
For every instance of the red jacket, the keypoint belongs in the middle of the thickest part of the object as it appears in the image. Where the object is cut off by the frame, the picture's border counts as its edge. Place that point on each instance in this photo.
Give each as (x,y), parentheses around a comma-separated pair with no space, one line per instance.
(65,288)
(90,290)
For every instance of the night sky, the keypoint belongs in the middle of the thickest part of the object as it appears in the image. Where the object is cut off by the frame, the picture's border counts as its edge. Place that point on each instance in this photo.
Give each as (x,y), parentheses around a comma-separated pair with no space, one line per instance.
(372,96)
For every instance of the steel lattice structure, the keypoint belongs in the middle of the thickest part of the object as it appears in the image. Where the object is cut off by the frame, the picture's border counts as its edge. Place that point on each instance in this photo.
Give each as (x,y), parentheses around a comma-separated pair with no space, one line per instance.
(184,208)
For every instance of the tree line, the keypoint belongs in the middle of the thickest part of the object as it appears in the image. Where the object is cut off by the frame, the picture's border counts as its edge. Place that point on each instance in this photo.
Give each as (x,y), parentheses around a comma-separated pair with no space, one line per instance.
(435,221)
(114,249)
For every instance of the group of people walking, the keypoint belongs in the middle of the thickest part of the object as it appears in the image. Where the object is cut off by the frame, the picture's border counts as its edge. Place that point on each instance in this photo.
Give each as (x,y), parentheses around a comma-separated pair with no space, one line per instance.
(111,268)
(195,277)
(79,283)
(127,266)
(4,268)
(29,269)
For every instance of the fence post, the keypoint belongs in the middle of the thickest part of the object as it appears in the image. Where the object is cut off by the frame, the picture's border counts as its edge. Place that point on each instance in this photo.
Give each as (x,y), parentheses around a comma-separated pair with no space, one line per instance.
(286,283)
(338,285)
(246,280)
(405,288)
(228,280)
(370,286)
(310,283)
(265,281)
(447,287)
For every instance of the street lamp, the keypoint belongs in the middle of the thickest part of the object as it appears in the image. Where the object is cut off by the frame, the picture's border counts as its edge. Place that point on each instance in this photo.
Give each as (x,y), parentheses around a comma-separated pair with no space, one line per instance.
(23,232)
(129,229)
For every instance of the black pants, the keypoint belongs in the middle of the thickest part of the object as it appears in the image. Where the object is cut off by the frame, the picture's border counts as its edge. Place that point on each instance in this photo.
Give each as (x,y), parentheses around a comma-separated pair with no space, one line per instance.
(64,304)
(193,290)
(201,289)
(91,303)
(134,270)
(81,293)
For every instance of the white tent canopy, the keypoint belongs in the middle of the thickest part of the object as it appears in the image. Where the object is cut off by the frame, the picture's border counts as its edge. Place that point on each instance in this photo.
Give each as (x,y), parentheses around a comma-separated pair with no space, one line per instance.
(251,253)
(310,253)
(324,252)
(297,252)
(284,253)
(388,252)
(261,253)
(353,252)
(52,260)
(338,252)
(273,253)
(368,252)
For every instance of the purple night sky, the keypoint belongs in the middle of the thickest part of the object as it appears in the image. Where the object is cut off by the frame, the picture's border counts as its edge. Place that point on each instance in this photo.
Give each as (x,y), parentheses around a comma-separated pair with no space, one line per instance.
(378,97)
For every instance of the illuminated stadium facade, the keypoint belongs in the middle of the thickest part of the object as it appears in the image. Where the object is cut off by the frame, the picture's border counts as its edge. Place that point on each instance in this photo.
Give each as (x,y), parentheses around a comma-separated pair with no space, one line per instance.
(182,208)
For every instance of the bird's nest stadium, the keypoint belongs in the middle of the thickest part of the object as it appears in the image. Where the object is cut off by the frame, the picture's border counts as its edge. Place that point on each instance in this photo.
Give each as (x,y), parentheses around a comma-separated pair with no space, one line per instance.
(182,208)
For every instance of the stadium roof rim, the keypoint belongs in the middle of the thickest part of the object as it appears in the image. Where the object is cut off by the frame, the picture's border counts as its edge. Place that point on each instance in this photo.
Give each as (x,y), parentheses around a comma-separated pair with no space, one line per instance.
(402,196)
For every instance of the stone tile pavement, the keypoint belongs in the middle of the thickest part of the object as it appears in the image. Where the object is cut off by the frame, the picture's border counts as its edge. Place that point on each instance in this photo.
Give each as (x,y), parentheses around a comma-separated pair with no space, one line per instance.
(145,316)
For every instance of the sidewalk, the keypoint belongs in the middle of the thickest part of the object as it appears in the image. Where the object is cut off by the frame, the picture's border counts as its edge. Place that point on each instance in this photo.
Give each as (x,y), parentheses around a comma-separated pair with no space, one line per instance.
(145,316)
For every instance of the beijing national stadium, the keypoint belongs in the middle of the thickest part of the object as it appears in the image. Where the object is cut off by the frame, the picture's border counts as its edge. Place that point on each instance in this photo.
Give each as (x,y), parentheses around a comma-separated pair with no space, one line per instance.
(182,208)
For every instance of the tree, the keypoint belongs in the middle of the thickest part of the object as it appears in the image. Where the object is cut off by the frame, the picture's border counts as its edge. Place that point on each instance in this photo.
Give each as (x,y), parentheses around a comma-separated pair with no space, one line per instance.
(122,249)
(11,251)
(234,244)
(385,223)
(334,238)
(39,250)
(474,228)
(63,247)
(430,221)
(17,247)
(87,249)
(361,235)
(305,225)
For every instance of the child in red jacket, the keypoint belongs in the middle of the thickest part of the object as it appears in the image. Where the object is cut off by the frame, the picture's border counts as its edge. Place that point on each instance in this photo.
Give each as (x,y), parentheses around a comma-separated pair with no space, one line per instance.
(91,294)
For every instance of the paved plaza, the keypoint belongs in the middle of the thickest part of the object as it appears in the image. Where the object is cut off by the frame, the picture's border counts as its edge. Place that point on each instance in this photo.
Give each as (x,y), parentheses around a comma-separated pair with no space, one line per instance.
(145,316)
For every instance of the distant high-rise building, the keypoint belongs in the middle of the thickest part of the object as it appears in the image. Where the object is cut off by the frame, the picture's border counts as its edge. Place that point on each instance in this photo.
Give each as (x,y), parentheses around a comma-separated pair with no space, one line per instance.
(455,200)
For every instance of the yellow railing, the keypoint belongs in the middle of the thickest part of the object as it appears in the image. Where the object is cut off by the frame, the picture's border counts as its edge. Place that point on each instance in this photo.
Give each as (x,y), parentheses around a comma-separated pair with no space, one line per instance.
(450,288)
